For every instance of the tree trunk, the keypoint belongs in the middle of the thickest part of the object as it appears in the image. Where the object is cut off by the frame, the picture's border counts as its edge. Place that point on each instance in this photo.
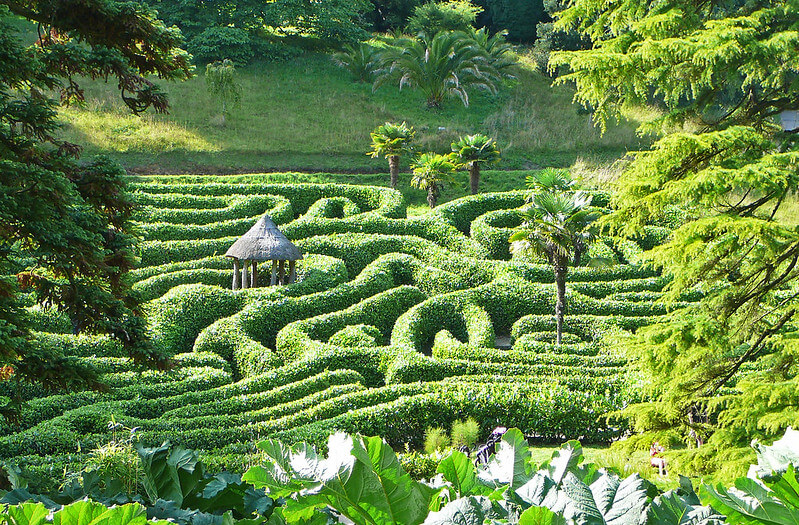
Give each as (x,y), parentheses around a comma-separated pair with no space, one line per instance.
(393,169)
(474,177)
(432,196)
(560,302)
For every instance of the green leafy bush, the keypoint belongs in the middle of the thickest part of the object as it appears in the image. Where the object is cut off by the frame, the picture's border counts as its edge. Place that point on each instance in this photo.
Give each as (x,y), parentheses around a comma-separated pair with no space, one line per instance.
(449,15)
(435,440)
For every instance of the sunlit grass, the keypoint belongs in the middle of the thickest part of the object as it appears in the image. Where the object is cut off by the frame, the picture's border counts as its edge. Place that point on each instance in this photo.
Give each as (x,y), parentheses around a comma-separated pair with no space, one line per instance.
(308,114)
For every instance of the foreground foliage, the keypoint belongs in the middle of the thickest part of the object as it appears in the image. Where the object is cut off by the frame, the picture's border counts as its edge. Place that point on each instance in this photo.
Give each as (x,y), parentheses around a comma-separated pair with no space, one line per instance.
(361,480)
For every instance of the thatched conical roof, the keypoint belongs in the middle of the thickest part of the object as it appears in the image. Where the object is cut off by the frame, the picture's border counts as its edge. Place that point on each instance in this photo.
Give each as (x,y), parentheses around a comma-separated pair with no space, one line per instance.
(264,242)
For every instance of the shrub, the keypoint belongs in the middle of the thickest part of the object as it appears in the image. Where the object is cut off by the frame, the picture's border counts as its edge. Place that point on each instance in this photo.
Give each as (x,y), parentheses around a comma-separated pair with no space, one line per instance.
(435,440)
(450,15)
(357,335)
(221,42)
(465,433)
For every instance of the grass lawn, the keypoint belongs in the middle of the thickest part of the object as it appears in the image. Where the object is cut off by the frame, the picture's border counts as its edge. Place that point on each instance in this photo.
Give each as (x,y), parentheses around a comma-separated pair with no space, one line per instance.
(308,115)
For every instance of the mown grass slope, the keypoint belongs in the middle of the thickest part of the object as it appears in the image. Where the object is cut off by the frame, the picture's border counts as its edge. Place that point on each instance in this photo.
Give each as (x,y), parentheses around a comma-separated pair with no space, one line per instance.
(307,114)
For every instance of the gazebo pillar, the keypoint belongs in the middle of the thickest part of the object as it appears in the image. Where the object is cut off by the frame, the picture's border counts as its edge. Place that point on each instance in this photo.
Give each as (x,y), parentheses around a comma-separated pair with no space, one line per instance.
(292,271)
(274,274)
(282,272)
(254,276)
(236,275)
(245,278)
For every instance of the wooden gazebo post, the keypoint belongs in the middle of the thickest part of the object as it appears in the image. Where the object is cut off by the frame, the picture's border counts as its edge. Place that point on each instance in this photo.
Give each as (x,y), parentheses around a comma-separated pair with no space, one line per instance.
(236,274)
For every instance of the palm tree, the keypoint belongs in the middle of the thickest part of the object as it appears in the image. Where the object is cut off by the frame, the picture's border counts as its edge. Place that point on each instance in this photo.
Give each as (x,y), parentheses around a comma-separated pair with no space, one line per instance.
(390,141)
(473,150)
(430,172)
(359,59)
(559,227)
(499,52)
(440,66)
(550,179)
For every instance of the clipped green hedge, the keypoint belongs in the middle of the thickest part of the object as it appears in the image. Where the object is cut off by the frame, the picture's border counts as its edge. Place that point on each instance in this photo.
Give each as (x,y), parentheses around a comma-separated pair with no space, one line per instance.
(547,410)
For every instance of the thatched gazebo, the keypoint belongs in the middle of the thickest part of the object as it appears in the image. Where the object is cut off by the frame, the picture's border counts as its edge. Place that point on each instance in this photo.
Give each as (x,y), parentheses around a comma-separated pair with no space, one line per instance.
(263,242)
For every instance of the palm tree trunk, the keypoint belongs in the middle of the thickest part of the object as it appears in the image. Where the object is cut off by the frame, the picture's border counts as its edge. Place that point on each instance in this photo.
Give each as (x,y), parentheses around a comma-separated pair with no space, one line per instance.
(393,169)
(560,303)
(432,195)
(474,177)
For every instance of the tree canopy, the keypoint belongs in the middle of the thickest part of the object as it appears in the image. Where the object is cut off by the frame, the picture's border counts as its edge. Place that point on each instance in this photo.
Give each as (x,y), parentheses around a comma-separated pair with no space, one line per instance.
(719,73)
(65,241)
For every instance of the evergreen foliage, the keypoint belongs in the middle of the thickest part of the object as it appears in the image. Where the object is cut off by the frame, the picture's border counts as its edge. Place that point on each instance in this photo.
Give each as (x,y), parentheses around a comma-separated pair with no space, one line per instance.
(557,226)
(65,239)
(720,73)
(440,65)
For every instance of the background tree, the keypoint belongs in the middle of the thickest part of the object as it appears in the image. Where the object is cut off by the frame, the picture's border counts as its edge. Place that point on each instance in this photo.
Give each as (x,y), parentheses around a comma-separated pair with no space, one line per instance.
(558,226)
(64,225)
(726,163)
(247,29)
(473,150)
(431,172)
(451,15)
(391,141)
(440,66)
(220,77)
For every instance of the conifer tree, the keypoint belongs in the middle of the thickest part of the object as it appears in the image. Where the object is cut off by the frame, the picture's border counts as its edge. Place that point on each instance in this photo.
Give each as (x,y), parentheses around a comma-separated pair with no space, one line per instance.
(64,223)
(720,73)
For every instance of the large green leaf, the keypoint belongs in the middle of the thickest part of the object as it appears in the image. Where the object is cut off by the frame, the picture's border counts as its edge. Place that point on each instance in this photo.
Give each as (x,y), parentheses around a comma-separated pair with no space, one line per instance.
(79,513)
(541,516)
(540,491)
(774,459)
(607,500)
(567,458)
(361,479)
(750,502)
(170,473)
(131,514)
(26,514)
(786,487)
(288,469)
(472,510)
(511,465)
(460,472)
(390,494)
(672,508)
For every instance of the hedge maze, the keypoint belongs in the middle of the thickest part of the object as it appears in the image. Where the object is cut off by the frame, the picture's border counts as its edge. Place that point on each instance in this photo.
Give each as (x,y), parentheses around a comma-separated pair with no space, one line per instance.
(395,324)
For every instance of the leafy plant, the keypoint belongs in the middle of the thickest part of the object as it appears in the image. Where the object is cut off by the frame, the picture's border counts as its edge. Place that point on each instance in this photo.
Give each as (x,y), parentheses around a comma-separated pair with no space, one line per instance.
(392,140)
(465,433)
(435,440)
(361,479)
(471,152)
(220,77)
(499,52)
(442,65)
(450,15)
(550,179)
(430,172)
(117,460)
(359,59)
